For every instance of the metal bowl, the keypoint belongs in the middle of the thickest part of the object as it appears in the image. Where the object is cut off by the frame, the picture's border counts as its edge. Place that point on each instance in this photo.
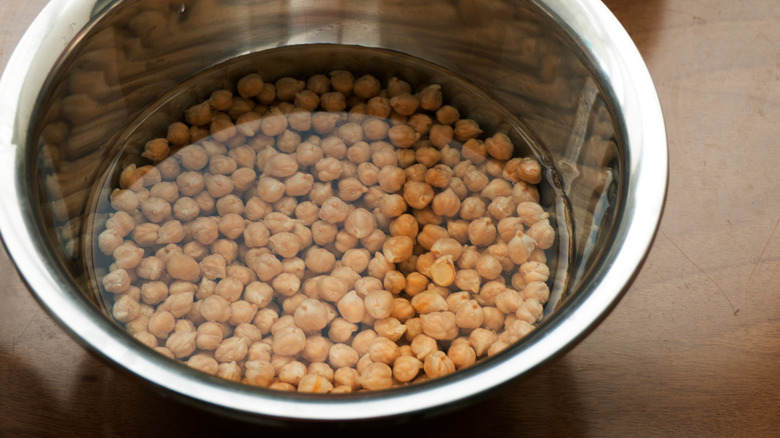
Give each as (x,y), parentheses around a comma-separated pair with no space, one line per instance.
(566,70)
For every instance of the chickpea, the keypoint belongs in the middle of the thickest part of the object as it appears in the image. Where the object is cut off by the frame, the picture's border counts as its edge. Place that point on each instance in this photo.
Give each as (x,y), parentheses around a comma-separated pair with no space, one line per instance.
(398,248)
(117,281)
(311,316)
(378,303)
(461,354)
(472,208)
(319,260)
(383,350)
(374,241)
(468,280)
(376,375)
(390,328)
(265,265)
(482,232)
(446,203)
(440,325)
(289,341)
(360,223)
(334,210)
(351,307)
(341,330)
(406,368)
(442,271)
(428,302)
(181,344)
(258,373)
(430,234)
(250,85)
(316,348)
(286,284)
(417,194)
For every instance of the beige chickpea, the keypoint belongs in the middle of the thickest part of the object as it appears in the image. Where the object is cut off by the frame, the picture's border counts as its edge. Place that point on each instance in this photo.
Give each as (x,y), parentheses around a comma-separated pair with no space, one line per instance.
(422,345)
(442,271)
(391,178)
(316,348)
(250,85)
(404,104)
(462,354)
(536,290)
(185,209)
(256,209)
(259,294)
(117,281)
(489,267)
(144,235)
(307,213)
(379,107)
(450,156)
(502,207)
(285,244)
(415,283)
(472,208)
(374,128)
(265,265)
(347,274)
(531,213)
(308,154)
(402,136)
(428,302)
(359,152)
(542,233)
(156,210)
(323,122)
(446,203)
(218,186)
(204,230)
(383,350)
(287,87)
(256,235)
(440,325)
(346,378)
(379,303)
(258,373)
(428,156)
(424,263)
(359,223)
(474,151)
(469,315)
(413,328)
(319,260)
(494,318)
(406,368)
(154,292)
(330,288)
(311,316)
(292,372)
(341,330)
(394,282)
(458,230)
(264,320)
(215,308)
(242,312)
(390,327)
(213,266)
(181,344)
(350,189)
(124,200)
(438,364)
(289,341)
(357,259)
(243,179)
(323,232)
(313,383)
(530,311)
(534,271)
(404,225)
(376,376)
(334,210)
(307,99)
(229,371)
(286,284)
(520,247)
(398,248)
(126,309)
(393,205)
(481,339)
(373,197)
(374,241)
(351,307)
(430,234)
(482,232)
(468,280)
(233,349)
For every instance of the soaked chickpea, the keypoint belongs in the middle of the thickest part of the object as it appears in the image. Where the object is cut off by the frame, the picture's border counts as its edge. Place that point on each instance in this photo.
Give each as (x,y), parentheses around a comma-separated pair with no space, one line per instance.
(328,235)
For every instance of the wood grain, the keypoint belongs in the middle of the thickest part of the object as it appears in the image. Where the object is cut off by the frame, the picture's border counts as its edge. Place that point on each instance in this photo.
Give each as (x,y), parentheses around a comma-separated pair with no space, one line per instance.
(692,350)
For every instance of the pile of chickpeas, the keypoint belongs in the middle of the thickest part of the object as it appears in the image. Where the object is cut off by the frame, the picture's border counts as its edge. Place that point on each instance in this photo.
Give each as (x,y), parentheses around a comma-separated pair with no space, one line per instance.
(327,235)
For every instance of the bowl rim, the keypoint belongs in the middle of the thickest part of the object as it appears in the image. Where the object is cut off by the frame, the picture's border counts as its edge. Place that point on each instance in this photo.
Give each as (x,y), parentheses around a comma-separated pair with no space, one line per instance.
(634,95)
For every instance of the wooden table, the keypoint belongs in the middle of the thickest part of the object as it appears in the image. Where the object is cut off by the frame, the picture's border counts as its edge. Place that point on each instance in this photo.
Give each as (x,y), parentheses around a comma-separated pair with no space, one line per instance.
(692,350)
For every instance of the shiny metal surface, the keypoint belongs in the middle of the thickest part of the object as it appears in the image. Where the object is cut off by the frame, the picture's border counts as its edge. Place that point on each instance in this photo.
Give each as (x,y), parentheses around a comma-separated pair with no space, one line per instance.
(561,66)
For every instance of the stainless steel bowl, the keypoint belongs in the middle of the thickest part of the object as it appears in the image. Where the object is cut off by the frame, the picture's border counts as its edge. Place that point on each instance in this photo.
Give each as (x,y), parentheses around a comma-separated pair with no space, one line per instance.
(565,69)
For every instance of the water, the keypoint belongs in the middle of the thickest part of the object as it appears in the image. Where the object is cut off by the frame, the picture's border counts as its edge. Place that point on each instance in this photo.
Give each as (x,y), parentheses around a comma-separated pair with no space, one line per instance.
(302,62)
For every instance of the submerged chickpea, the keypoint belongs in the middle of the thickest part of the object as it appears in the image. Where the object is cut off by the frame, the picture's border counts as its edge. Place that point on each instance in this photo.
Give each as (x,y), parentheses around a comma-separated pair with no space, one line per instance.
(354,241)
